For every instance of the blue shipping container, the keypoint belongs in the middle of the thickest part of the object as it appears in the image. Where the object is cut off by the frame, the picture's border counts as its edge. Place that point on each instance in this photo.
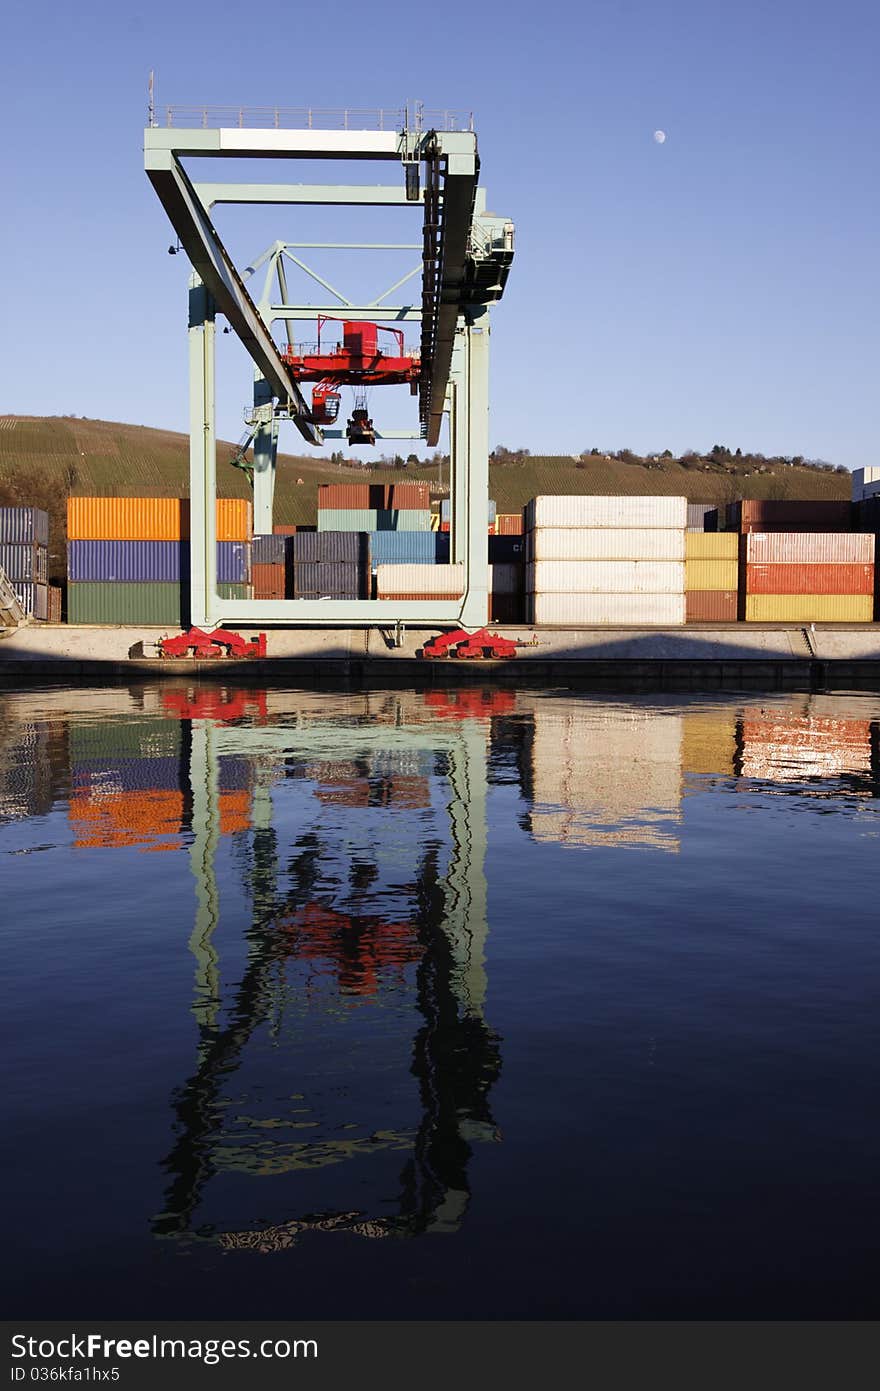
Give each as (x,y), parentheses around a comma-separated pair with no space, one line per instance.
(128,561)
(268,550)
(406,547)
(24,526)
(325,546)
(233,562)
(25,563)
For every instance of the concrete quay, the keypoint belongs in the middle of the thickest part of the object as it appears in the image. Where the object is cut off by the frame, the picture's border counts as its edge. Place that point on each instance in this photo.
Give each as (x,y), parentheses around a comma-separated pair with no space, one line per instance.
(698,657)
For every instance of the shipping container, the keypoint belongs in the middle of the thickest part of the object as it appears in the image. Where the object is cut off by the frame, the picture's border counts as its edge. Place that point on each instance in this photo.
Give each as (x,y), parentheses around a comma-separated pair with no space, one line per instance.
(34,598)
(314,546)
(407,548)
(233,562)
(711,574)
(509,524)
(506,579)
(91,602)
(127,519)
(507,608)
(711,606)
(578,510)
(423,597)
(268,550)
(605,577)
(24,526)
(348,519)
(284,529)
(404,520)
(127,561)
(409,496)
(268,581)
(338,579)
(809,608)
(754,514)
(54,604)
(712,545)
(702,516)
(346,497)
(235,591)
(809,579)
(811,548)
(864,479)
(446,510)
(599,610)
(235,519)
(28,562)
(419,579)
(503,550)
(605,543)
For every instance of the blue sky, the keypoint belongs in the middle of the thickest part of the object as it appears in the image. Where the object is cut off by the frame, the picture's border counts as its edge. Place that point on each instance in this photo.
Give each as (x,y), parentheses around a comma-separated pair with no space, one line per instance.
(721,287)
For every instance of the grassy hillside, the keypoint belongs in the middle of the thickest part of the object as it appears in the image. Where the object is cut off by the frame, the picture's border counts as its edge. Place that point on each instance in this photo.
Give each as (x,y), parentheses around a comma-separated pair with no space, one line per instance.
(43,460)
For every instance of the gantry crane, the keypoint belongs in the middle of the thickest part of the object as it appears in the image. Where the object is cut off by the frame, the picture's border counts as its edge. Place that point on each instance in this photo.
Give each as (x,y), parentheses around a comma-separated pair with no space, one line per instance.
(466,254)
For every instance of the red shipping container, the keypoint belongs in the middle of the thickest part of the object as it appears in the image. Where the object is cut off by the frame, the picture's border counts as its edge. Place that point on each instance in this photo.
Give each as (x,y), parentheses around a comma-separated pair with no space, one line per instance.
(345,495)
(809,579)
(268,581)
(509,524)
(409,497)
(282,529)
(756,514)
(711,606)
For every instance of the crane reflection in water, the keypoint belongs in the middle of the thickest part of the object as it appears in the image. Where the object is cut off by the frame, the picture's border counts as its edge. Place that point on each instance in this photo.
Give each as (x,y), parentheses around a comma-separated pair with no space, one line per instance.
(331,928)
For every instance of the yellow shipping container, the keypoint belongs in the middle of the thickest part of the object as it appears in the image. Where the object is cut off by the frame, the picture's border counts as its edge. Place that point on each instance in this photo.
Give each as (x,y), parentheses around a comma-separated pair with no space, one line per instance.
(809,608)
(711,545)
(710,574)
(235,519)
(127,518)
(708,741)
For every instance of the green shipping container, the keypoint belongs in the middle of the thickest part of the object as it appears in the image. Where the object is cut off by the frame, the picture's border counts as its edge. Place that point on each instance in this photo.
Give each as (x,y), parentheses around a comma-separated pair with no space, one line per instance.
(96,601)
(235,591)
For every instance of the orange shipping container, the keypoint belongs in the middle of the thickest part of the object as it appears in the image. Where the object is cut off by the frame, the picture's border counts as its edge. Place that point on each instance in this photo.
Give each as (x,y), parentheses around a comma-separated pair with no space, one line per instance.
(710,606)
(268,581)
(151,519)
(127,519)
(809,579)
(235,519)
(509,524)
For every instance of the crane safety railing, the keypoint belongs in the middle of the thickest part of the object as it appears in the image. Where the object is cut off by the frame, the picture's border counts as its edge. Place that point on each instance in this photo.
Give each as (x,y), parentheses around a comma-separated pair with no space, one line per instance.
(395,118)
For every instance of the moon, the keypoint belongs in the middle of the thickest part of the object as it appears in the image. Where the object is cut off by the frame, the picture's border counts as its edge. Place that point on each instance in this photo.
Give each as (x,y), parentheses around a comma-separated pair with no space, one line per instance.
(660,136)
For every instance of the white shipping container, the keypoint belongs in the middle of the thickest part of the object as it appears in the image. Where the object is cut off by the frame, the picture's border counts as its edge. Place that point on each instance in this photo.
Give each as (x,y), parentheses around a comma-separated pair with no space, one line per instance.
(605,577)
(577,510)
(605,543)
(506,579)
(862,479)
(419,579)
(606,610)
(810,548)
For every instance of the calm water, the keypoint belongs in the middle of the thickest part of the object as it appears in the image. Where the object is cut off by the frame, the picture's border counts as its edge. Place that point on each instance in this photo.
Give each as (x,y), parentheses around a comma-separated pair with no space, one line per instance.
(494,1005)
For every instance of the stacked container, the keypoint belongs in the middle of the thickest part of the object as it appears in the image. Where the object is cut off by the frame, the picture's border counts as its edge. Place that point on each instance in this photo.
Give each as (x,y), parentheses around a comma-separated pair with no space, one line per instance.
(754,514)
(24,557)
(128,558)
(702,516)
(507,593)
(509,524)
(373,507)
(711,576)
(328,565)
(808,578)
(268,566)
(419,582)
(866,482)
(605,560)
